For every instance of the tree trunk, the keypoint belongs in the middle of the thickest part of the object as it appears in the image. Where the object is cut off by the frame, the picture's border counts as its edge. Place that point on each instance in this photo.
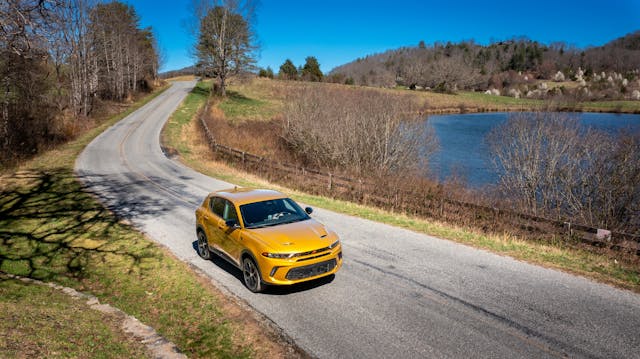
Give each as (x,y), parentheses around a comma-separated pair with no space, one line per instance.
(5,115)
(223,86)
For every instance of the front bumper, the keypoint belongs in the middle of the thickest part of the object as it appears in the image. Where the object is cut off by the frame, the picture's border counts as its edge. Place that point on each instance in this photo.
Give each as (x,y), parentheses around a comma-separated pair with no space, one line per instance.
(298,270)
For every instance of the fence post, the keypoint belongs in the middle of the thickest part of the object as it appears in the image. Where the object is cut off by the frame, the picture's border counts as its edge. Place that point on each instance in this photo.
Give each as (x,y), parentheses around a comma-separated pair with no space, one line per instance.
(330,181)
(243,157)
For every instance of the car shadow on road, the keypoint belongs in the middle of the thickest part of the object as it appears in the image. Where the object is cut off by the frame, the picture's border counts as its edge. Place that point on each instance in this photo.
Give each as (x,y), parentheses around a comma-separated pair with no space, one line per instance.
(271,289)
(300,287)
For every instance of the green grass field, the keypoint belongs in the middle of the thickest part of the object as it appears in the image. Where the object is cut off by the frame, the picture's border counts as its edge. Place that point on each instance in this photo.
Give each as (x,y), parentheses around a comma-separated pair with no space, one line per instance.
(488,101)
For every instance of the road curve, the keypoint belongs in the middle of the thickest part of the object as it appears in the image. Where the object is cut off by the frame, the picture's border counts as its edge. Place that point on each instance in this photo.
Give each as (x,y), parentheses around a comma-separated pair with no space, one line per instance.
(400,294)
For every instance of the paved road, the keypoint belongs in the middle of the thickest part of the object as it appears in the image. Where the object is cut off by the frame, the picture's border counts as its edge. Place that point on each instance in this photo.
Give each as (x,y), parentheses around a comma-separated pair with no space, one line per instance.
(399,294)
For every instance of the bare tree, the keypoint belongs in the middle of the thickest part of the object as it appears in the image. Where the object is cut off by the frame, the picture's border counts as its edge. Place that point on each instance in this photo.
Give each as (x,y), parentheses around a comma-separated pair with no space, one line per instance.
(533,152)
(550,165)
(225,45)
(25,26)
(73,50)
(125,54)
(53,58)
(454,72)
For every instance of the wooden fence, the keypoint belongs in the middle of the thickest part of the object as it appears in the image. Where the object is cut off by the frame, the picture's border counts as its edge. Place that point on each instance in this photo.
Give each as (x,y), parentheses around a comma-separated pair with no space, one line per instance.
(424,204)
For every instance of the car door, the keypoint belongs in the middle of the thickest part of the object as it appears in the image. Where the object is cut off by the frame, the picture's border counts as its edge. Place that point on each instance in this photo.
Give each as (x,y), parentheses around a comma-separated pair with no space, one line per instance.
(215,223)
(232,242)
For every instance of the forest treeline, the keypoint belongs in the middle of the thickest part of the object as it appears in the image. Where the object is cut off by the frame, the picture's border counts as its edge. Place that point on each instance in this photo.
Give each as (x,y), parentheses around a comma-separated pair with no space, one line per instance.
(509,67)
(59,61)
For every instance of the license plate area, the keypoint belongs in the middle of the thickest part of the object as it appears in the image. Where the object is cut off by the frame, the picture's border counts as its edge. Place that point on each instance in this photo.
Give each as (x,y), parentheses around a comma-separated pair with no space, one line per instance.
(311,270)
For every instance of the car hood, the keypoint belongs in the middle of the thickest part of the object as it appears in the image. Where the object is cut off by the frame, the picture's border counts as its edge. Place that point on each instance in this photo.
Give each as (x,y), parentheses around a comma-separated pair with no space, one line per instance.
(295,237)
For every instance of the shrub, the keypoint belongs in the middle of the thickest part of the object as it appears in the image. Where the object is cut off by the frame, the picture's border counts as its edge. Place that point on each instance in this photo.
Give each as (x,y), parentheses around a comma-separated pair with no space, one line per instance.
(551,165)
(360,130)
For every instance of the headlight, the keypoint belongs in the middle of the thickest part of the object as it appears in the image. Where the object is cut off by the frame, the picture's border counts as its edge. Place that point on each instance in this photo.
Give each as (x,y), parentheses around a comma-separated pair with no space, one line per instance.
(334,244)
(278,255)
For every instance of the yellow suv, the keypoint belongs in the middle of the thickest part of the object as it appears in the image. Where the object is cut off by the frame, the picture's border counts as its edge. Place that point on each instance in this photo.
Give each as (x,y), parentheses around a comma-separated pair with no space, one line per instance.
(267,236)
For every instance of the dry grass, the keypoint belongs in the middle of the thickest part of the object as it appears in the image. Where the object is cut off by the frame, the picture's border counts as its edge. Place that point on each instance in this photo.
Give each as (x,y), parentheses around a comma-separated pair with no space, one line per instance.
(263,99)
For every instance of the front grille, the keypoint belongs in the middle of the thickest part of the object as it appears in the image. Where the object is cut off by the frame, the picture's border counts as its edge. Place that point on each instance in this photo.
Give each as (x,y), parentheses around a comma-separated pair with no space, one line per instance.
(312,252)
(311,270)
(314,257)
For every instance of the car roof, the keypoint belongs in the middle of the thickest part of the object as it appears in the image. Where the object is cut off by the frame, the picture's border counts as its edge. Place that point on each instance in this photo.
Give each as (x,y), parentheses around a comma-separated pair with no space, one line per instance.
(240,196)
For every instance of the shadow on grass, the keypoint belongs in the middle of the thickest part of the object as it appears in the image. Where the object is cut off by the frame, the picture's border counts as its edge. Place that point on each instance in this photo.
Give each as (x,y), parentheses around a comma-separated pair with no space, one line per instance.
(237,96)
(50,226)
(201,91)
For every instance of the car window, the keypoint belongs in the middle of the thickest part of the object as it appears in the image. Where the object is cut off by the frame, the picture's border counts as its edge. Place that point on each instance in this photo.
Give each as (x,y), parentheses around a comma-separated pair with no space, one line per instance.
(271,212)
(230,212)
(217,206)
(288,205)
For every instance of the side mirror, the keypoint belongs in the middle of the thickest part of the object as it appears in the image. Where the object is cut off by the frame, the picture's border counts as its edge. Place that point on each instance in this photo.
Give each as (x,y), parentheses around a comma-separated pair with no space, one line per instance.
(309,210)
(232,223)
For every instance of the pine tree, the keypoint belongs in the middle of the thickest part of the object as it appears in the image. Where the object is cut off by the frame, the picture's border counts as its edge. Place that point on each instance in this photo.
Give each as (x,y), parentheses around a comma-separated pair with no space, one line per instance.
(311,70)
(288,71)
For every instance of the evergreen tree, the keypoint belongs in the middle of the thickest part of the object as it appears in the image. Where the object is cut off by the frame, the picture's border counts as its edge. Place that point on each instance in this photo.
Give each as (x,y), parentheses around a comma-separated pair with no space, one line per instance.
(288,71)
(311,70)
(268,72)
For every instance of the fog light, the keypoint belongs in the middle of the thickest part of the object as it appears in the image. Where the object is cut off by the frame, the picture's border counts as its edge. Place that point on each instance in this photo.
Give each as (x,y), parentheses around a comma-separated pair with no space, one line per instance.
(273,271)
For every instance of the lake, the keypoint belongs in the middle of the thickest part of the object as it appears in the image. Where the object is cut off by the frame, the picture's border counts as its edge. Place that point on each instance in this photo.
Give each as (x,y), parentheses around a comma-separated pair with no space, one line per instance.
(464,153)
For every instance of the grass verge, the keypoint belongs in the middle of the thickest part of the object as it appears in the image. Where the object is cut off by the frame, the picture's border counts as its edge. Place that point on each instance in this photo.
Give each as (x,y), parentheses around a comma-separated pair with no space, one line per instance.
(35,322)
(52,230)
(600,267)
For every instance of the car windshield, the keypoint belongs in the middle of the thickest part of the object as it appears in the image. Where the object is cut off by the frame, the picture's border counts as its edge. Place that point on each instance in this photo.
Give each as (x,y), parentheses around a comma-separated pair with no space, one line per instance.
(271,213)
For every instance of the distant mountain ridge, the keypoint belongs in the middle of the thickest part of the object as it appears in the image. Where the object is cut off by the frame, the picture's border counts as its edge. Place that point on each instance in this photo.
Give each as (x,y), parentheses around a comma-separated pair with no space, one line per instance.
(628,42)
(189,70)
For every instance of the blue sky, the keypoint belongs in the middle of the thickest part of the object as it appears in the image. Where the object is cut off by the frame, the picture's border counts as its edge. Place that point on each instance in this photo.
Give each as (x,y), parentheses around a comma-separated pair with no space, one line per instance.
(336,32)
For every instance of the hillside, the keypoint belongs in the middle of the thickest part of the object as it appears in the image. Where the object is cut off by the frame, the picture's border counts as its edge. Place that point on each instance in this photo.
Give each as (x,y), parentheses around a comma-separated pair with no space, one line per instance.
(514,67)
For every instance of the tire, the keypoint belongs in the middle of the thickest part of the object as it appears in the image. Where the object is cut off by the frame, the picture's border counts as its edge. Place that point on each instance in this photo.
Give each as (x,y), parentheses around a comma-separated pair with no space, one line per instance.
(203,246)
(251,275)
